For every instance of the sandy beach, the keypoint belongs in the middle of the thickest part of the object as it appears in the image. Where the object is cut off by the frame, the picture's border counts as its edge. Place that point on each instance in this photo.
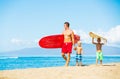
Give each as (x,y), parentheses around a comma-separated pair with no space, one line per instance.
(107,71)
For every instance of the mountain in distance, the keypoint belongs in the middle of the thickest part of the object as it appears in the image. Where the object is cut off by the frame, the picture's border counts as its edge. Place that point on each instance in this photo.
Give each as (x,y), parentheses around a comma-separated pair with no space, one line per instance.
(89,49)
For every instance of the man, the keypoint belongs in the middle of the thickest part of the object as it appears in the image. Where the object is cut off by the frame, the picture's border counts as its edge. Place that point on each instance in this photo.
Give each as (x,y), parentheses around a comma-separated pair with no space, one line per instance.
(68,42)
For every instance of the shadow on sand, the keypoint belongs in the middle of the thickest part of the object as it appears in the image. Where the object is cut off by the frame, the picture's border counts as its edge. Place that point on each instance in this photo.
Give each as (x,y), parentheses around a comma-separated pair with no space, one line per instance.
(109,65)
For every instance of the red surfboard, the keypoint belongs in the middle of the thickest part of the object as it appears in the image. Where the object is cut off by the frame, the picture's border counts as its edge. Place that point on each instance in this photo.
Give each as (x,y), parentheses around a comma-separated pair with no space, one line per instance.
(54,41)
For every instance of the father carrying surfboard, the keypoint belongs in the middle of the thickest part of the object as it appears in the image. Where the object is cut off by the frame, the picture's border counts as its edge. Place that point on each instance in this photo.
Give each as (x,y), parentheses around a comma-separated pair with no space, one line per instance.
(68,42)
(64,41)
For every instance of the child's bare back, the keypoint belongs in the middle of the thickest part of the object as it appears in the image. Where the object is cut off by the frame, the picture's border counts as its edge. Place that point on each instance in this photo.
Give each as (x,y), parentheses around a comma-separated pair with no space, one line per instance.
(99,55)
(98,45)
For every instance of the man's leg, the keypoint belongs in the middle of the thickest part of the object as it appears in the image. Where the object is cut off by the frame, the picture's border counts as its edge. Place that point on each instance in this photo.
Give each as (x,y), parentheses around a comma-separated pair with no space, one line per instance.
(63,55)
(68,60)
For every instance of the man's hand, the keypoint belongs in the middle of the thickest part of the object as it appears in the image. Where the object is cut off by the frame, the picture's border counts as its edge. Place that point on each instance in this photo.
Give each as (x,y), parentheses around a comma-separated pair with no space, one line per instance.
(74,48)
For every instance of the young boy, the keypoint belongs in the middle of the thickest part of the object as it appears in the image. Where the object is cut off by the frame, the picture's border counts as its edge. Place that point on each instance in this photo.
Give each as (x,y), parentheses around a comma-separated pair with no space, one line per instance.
(79,52)
(99,54)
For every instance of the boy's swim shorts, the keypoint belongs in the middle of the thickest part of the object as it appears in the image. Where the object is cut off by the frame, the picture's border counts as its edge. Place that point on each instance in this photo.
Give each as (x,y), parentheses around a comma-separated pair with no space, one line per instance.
(99,55)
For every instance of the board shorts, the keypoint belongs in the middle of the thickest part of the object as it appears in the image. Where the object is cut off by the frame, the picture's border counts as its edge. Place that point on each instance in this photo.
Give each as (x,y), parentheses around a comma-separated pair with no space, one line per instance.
(67,47)
(78,57)
(99,55)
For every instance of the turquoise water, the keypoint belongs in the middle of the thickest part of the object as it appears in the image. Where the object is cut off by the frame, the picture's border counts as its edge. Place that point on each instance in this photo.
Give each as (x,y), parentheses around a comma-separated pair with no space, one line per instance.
(10,63)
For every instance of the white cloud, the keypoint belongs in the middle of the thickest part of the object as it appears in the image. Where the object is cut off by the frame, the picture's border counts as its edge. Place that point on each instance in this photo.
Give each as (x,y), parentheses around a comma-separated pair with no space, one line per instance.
(16,41)
(24,43)
(84,37)
(112,35)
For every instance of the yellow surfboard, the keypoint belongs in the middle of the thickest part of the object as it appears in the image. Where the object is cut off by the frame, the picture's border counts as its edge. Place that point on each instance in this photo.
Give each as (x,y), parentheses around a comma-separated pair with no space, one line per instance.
(93,35)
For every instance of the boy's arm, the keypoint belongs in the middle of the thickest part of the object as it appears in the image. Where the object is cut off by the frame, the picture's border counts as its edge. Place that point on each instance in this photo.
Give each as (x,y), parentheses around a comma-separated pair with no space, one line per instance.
(82,51)
(93,41)
(104,42)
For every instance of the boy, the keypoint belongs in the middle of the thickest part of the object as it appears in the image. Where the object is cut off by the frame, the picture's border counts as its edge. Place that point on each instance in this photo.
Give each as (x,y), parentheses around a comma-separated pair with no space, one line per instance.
(99,54)
(79,52)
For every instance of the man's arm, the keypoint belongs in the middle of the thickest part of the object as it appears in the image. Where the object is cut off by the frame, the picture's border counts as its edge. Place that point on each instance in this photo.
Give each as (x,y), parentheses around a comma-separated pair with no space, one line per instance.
(73,38)
(93,41)
(75,48)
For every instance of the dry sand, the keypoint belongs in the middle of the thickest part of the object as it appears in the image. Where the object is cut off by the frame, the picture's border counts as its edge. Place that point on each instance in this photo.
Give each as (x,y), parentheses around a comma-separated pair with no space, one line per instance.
(108,71)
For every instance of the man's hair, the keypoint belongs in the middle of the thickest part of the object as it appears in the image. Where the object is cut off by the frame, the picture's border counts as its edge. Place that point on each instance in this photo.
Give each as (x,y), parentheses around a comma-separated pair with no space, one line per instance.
(68,24)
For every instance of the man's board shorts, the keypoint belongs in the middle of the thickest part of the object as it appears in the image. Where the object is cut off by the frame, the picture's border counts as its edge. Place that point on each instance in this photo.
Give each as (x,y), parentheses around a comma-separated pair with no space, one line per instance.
(78,57)
(67,47)
(99,55)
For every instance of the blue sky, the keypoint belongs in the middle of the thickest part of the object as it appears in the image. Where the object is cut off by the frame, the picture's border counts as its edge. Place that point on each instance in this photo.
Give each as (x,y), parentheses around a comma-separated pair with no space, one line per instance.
(24,22)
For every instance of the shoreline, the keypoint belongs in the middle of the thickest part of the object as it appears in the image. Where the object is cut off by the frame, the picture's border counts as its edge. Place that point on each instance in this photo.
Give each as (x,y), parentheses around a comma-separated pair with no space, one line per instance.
(107,71)
(83,65)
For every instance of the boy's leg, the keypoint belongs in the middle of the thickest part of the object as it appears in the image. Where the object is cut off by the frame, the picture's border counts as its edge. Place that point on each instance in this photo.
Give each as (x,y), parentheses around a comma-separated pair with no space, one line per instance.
(80,56)
(97,57)
(77,63)
(77,60)
(96,61)
(68,60)
(101,58)
(100,62)
(63,55)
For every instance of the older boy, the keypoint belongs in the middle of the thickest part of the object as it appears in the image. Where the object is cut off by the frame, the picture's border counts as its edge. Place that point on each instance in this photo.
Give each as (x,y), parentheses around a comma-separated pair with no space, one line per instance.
(99,54)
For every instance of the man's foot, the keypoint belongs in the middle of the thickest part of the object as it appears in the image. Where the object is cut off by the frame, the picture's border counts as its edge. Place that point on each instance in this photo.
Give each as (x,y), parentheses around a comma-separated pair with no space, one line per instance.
(66,64)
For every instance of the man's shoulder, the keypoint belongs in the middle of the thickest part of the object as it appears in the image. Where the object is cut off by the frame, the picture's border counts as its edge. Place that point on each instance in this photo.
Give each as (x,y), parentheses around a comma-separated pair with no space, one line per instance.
(71,30)
(63,31)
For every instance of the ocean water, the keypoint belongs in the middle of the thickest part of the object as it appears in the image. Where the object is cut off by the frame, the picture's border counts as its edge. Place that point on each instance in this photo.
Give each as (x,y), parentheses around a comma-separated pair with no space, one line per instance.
(10,63)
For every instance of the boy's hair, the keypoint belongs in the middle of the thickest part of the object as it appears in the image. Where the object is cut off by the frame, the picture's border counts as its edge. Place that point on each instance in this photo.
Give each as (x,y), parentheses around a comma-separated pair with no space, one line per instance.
(68,24)
(79,42)
(98,39)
